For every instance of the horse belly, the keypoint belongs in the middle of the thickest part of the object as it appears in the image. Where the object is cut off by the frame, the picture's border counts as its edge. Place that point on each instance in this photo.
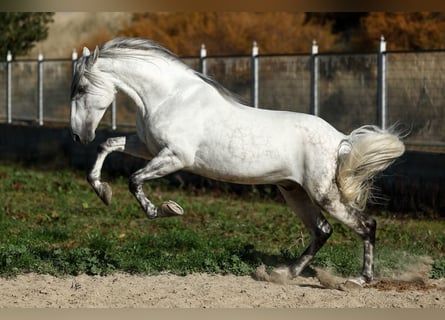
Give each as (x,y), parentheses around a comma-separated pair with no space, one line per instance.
(249,156)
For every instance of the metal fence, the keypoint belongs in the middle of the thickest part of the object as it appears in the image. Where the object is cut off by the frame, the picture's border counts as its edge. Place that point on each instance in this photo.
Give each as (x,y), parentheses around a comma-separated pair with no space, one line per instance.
(348,90)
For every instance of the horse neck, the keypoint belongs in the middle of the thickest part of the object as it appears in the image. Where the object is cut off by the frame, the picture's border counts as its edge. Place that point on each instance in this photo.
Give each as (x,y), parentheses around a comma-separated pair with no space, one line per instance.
(147,82)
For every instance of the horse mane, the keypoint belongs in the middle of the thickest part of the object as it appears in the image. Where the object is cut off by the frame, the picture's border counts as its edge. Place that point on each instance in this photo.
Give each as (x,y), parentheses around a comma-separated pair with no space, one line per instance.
(142,48)
(144,45)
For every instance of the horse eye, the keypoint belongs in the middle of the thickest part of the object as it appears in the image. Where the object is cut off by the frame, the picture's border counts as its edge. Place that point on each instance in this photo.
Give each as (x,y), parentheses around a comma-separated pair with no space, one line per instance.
(81,90)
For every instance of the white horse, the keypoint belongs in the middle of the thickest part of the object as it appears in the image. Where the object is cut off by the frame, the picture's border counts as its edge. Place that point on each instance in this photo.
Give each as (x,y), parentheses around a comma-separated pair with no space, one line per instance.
(186,121)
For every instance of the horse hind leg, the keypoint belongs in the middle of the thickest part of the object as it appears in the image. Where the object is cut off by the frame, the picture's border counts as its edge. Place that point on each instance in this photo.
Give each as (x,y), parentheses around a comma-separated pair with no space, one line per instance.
(366,230)
(363,225)
(314,221)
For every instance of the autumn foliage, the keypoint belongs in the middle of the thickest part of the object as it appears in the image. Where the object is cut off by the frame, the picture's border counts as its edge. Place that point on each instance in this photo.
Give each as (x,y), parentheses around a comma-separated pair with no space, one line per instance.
(403,31)
(232,33)
(227,33)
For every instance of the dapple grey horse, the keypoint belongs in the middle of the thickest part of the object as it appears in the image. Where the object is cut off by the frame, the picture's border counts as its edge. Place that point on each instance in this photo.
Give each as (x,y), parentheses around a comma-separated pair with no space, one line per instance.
(187,121)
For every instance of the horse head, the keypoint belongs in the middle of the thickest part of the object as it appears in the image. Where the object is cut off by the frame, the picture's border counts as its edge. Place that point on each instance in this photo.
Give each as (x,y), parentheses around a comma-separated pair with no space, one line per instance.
(92,92)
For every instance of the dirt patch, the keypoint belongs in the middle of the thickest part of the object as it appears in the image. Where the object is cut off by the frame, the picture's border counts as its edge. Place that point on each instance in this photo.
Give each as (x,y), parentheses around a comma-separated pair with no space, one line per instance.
(399,286)
(209,291)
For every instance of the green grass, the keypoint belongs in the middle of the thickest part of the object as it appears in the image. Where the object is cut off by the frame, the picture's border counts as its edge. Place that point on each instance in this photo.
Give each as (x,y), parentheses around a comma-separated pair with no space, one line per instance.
(52,222)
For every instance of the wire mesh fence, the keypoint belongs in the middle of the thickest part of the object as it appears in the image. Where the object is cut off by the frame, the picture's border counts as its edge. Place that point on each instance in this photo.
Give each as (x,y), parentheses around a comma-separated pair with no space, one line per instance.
(347,90)
(416,94)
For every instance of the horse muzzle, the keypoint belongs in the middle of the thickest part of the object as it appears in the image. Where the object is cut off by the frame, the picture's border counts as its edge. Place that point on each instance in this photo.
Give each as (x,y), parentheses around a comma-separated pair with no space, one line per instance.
(83,139)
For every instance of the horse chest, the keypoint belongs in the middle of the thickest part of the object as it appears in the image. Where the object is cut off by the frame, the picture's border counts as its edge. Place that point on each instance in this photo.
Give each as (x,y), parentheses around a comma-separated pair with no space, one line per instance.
(149,138)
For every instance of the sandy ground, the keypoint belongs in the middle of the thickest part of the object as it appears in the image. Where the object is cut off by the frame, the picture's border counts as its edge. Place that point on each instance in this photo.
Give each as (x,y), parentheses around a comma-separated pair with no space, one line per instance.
(211,291)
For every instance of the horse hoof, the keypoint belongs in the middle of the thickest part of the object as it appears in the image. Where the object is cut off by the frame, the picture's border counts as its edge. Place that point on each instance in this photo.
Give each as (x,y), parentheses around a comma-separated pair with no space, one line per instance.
(105,193)
(280,275)
(171,208)
(356,283)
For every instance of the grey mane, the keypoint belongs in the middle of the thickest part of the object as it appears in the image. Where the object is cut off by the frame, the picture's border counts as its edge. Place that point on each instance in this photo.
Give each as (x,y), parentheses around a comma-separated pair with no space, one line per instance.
(146,45)
(108,50)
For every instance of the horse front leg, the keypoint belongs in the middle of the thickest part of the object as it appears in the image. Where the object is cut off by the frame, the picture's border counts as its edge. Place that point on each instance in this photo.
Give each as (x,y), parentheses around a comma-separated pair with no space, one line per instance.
(164,163)
(130,145)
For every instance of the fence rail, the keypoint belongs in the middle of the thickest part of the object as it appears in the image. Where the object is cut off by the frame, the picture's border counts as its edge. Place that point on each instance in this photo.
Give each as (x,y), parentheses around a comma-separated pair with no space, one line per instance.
(348,90)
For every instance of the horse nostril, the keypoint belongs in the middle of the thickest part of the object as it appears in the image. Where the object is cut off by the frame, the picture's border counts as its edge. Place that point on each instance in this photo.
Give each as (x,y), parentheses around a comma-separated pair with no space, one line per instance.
(76,137)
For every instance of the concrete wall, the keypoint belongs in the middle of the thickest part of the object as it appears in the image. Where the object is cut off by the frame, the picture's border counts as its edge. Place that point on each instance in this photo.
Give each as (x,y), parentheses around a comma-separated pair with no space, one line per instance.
(414,184)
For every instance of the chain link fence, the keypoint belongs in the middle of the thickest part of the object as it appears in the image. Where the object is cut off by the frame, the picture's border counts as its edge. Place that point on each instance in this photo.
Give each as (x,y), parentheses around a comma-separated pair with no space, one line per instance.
(416,95)
(347,90)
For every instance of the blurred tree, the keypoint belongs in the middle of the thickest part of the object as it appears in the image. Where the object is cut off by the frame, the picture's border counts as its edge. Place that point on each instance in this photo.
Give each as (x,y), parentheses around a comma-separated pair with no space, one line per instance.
(403,31)
(342,24)
(340,21)
(19,31)
(230,33)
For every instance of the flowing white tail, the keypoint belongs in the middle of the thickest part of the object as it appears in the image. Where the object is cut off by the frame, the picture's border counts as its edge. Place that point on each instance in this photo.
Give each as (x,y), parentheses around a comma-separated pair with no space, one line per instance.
(367,151)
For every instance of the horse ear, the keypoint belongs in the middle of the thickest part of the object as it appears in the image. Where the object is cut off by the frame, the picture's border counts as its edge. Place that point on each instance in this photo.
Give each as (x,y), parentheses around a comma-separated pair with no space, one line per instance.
(86,52)
(95,54)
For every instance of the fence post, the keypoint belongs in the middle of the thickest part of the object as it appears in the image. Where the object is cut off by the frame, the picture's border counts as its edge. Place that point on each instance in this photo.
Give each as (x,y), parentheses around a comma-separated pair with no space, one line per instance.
(73,59)
(9,86)
(314,79)
(73,69)
(381,85)
(40,88)
(202,59)
(113,114)
(254,76)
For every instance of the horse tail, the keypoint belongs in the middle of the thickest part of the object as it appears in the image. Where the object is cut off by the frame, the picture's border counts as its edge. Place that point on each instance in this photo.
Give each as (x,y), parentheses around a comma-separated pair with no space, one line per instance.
(367,151)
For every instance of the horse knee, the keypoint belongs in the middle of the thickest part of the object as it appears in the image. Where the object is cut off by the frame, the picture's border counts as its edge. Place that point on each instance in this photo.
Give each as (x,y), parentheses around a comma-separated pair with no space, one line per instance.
(104,146)
(365,227)
(101,148)
(111,144)
(370,226)
(133,185)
